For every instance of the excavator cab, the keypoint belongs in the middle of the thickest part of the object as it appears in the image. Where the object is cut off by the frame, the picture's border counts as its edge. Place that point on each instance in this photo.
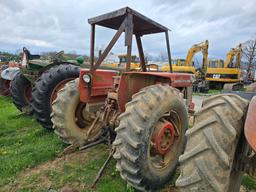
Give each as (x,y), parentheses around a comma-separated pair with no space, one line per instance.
(226,75)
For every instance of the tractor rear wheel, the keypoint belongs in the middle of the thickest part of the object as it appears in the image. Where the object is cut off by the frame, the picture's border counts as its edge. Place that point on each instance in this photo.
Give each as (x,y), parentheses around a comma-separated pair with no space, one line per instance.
(20,89)
(46,88)
(151,137)
(70,119)
(207,163)
(4,84)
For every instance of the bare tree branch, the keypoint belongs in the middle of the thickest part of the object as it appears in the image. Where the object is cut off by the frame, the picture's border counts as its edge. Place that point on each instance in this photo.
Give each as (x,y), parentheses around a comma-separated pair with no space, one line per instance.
(249,54)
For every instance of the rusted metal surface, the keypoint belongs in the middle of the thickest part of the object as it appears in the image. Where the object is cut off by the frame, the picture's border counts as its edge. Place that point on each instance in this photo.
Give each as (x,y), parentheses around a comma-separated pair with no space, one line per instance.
(128,39)
(132,82)
(163,137)
(58,87)
(28,93)
(249,127)
(110,45)
(131,22)
(141,53)
(102,169)
(142,24)
(168,50)
(92,45)
(97,89)
(118,89)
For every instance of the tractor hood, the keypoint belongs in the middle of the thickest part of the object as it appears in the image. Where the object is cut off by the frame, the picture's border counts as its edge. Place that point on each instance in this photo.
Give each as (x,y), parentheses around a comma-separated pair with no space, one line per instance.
(10,73)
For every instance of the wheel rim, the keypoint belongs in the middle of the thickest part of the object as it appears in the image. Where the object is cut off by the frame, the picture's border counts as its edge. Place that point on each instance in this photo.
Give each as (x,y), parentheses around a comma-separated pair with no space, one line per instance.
(6,86)
(165,141)
(56,89)
(28,94)
(79,118)
(84,119)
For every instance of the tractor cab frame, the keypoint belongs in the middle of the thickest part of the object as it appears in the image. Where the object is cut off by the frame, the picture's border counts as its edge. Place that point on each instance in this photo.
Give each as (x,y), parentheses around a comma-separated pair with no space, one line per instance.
(94,84)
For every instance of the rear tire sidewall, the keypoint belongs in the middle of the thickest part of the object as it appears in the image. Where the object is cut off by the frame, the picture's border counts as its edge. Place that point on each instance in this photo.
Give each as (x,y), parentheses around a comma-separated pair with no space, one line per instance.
(18,88)
(4,90)
(43,92)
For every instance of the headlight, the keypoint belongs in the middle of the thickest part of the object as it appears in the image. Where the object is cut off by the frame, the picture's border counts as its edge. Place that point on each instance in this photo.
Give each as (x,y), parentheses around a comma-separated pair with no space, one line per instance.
(87,78)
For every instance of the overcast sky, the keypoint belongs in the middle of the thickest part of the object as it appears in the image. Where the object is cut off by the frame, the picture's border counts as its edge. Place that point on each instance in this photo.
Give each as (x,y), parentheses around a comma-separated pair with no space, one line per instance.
(46,25)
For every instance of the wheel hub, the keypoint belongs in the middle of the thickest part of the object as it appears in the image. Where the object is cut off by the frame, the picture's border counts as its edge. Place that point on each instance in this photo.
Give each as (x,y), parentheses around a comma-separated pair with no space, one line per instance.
(58,87)
(163,137)
(28,93)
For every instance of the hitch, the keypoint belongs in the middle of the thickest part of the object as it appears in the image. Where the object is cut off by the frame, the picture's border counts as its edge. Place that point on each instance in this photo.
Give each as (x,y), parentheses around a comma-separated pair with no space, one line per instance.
(104,138)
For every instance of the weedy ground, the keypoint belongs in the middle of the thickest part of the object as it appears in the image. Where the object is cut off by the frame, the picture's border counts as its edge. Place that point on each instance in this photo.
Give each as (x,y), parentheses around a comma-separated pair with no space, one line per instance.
(30,160)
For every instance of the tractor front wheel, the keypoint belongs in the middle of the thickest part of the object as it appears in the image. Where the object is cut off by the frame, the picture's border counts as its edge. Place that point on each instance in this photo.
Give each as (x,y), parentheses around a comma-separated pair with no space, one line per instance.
(151,137)
(46,89)
(207,163)
(20,89)
(70,118)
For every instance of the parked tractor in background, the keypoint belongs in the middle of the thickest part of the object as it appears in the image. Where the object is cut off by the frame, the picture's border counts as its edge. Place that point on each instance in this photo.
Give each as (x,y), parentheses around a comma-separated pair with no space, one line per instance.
(4,83)
(142,116)
(221,145)
(35,83)
(227,75)
(200,84)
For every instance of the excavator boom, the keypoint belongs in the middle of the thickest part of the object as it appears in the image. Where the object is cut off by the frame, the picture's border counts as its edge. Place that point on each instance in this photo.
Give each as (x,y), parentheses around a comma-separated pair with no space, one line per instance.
(195,49)
(230,57)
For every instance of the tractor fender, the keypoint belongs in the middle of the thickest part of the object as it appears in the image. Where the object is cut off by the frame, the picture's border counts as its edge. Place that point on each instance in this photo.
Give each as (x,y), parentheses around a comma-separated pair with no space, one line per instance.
(10,73)
(250,124)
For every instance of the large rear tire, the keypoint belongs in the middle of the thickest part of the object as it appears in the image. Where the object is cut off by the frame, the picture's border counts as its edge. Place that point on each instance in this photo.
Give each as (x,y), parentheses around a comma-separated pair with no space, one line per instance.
(46,88)
(70,119)
(4,84)
(146,150)
(207,163)
(20,89)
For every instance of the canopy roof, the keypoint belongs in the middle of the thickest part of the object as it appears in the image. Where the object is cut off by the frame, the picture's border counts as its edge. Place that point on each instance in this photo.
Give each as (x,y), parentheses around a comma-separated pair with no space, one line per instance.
(142,24)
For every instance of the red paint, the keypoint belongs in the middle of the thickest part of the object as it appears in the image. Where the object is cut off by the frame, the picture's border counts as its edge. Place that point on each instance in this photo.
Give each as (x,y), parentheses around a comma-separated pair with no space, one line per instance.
(177,79)
(191,107)
(250,128)
(163,138)
(133,82)
(101,83)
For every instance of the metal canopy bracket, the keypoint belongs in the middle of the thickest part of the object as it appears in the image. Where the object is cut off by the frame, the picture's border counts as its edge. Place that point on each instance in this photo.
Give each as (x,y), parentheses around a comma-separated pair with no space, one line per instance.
(109,47)
(128,39)
(131,22)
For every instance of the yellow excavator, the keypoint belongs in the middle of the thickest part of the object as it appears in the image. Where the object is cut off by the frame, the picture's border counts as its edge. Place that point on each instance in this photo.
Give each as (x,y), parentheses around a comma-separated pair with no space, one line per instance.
(187,65)
(179,66)
(135,63)
(226,74)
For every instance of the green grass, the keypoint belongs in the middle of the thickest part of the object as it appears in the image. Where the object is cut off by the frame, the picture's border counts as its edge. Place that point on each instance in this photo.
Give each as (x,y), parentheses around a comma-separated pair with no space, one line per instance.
(249,183)
(23,142)
(29,159)
(210,92)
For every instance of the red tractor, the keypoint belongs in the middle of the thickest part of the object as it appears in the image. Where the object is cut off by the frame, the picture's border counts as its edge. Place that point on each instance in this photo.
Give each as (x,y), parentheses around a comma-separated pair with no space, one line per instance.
(141,115)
